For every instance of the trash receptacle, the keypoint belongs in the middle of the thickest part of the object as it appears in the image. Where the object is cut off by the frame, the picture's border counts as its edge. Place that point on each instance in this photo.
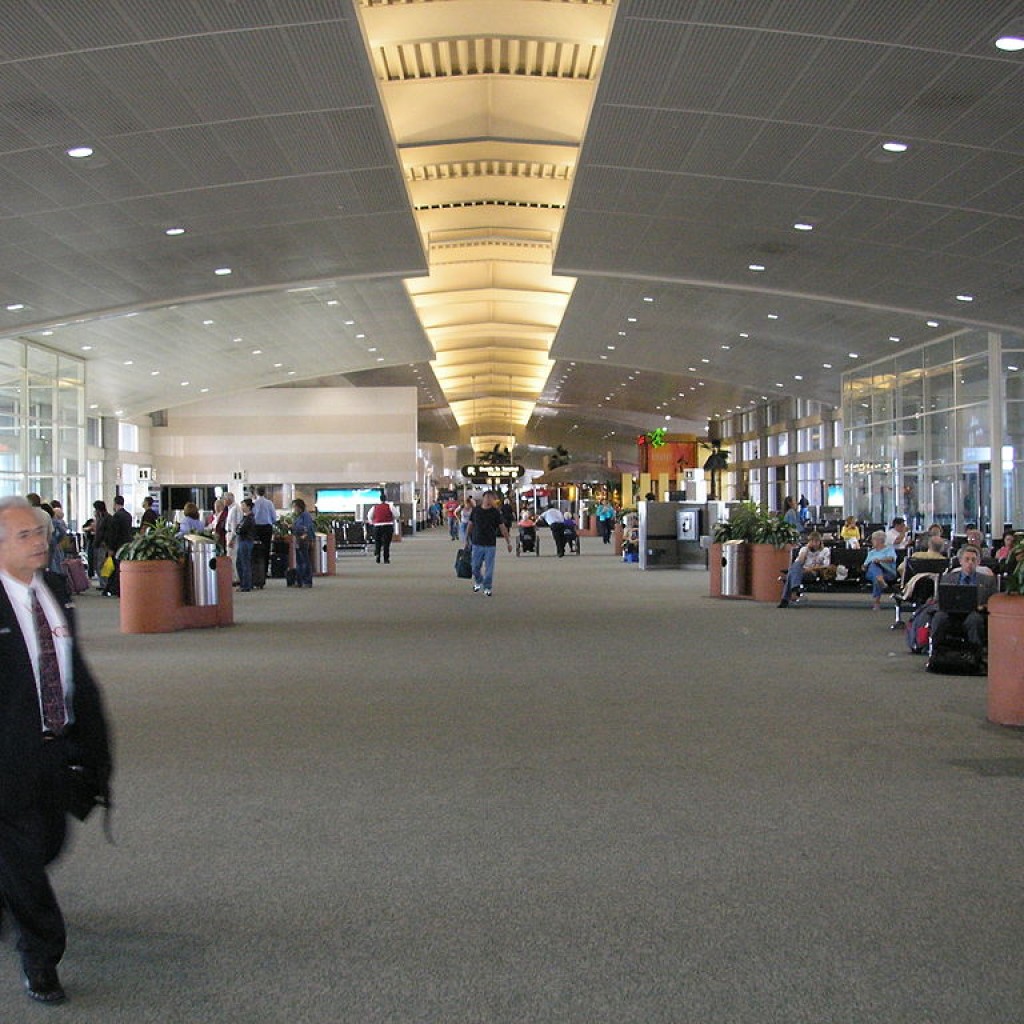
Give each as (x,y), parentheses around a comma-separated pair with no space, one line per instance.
(200,570)
(320,566)
(734,568)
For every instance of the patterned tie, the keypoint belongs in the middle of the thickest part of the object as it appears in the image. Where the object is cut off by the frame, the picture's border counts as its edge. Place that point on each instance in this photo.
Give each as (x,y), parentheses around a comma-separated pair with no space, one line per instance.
(51,690)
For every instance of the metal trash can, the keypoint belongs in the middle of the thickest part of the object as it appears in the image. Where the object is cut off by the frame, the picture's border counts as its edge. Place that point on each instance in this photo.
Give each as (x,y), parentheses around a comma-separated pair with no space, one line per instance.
(320,566)
(734,568)
(200,570)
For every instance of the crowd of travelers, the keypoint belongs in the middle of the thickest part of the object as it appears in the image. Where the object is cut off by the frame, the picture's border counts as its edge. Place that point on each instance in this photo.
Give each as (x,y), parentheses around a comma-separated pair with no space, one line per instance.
(912,570)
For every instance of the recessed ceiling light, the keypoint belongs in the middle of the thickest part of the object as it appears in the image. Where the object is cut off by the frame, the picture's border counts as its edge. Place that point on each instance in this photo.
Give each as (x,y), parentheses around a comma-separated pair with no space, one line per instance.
(802,226)
(222,271)
(1011,39)
(1011,367)
(611,348)
(932,323)
(174,231)
(359,337)
(894,337)
(777,384)
(773,316)
(648,298)
(291,373)
(705,360)
(744,334)
(965,298)
(46,334)
(80,152)
(756,267)
(154,373)
(129,362)
(797,376)
(87,348)
(604,357)
(854,355)
(15,306)
(94,406)
(622,334)
(119,412)
(349,323)
(207,323)
(257,351)
(185,383)
(726,348)
(895,147)
(827,366)
(380,359)
(203,391)
(277,366)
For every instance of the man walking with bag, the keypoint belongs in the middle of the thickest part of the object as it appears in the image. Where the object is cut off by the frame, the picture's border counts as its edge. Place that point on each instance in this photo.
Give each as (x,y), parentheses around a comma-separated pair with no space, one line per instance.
(485,523)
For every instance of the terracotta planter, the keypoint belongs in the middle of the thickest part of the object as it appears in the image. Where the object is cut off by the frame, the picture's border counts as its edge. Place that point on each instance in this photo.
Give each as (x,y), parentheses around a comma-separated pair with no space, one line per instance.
(766,562)
(1006,659)
(151,595)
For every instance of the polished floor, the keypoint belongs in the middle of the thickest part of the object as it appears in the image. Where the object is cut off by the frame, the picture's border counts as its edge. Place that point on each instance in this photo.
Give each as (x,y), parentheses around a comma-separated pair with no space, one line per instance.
(598,797)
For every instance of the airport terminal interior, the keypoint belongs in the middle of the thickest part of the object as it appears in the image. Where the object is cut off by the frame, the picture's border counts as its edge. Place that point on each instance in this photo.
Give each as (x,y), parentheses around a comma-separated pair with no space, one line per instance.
(339,246)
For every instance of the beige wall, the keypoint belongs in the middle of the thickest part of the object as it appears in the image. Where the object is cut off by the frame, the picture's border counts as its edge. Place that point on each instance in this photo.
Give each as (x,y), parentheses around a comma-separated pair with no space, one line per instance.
(313,435)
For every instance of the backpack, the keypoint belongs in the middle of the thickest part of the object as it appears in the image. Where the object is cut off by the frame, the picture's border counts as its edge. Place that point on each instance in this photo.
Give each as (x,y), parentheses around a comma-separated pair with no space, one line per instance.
(919,629)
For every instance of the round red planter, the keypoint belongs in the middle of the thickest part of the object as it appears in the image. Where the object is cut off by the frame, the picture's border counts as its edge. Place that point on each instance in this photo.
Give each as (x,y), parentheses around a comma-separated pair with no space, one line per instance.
(151,595)
(1006,659)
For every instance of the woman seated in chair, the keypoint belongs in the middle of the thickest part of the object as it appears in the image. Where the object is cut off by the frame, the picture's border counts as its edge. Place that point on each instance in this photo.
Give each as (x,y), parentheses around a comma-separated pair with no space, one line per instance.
(880,567)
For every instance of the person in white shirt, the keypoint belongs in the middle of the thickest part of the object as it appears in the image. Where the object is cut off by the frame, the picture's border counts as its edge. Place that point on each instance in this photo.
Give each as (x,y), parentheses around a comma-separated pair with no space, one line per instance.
(810,560)
(556,520)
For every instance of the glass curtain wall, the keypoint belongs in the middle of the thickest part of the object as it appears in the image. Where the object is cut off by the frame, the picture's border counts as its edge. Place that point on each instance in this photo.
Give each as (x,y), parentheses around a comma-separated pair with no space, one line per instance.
(926,431)
(42,425)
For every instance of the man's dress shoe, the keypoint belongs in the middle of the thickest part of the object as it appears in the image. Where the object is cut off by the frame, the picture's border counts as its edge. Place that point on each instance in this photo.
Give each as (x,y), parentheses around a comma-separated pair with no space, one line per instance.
(43,985)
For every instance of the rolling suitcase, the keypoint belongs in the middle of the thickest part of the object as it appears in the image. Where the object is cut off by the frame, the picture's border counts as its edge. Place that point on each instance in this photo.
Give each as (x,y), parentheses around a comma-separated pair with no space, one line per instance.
(259,566)
(463,564)
(78,578)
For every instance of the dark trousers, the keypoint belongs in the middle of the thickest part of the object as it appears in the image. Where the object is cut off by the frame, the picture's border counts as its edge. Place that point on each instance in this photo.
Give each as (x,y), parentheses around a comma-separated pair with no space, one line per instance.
(972,625)
(28,842)
(382,540)
(558,534)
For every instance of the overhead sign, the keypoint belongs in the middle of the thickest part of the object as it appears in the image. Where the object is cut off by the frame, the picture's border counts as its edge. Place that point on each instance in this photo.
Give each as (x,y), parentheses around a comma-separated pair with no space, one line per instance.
(481,473)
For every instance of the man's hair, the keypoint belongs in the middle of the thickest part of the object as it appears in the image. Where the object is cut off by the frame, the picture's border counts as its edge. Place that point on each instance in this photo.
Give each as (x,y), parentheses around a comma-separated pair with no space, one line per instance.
(936,543)
(147,501)
(971,547)
(261,491)
(9,502)
(118,499)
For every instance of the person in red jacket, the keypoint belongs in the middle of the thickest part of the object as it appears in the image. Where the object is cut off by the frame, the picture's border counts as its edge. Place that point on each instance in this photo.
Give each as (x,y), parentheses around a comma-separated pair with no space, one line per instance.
(382,519)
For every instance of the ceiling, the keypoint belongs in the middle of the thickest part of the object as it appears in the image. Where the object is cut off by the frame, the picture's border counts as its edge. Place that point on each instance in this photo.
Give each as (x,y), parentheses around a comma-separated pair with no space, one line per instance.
(541,213)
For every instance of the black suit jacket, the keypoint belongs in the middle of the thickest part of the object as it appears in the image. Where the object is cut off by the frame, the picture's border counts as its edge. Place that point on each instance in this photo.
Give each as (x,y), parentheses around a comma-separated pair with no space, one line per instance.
(88,737)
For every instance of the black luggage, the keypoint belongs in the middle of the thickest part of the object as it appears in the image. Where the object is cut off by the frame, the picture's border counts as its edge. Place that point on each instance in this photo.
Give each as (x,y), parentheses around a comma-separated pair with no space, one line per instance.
(279,561)
(291,578)
(463,564)
(259,566)
(955,656)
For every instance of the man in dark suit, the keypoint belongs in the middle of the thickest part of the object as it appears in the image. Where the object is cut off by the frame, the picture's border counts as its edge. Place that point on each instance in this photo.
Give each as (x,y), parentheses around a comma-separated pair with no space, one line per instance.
(51,717)
(968,574)
(118,531)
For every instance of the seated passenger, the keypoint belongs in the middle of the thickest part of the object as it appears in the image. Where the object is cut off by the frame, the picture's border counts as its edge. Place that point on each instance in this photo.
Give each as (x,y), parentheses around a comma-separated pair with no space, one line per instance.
(967,575)
(1005,556)
(880,567)
(923,540)
(811,559)
(850,533)
(936,552)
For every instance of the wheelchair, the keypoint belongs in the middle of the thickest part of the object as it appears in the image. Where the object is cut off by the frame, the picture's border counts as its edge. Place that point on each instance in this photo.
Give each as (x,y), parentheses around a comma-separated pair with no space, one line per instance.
(527,540)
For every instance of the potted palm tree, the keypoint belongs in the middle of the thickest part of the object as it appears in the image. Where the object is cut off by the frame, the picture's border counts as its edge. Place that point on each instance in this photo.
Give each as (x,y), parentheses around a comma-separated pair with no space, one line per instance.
(1006,645)
(152,580)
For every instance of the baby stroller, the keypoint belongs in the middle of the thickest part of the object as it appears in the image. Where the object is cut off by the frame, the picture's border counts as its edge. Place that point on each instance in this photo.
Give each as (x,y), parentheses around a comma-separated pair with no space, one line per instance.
(527,539)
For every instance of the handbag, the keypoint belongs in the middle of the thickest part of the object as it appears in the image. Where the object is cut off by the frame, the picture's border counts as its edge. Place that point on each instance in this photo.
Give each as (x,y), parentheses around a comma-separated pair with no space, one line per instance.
(463,564)
(107,569)
(86,791)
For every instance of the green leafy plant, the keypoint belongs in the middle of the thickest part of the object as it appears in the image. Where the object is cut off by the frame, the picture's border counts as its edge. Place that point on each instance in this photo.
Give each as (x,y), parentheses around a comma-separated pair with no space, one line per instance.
(656,437)
(773,529)
(1013,581)
(755,525)
(741,524)
(160,543)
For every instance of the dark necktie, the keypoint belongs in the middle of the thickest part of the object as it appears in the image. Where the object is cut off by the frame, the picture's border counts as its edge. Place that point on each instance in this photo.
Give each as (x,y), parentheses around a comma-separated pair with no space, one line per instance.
(51,690)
